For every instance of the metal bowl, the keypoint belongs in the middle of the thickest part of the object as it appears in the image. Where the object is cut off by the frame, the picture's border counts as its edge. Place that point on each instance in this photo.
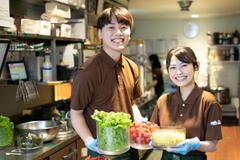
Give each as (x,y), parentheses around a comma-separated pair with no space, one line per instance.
(49,129)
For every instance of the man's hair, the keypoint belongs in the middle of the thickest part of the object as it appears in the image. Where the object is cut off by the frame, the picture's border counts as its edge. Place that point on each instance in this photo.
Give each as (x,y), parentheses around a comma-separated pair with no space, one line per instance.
(122,15)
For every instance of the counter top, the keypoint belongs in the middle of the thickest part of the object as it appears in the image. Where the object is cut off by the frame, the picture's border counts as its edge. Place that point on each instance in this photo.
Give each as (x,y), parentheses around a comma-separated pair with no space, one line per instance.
(48,149)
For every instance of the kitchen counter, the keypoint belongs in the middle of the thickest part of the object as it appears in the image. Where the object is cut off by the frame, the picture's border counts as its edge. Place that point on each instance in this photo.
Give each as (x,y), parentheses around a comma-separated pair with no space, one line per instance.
(48,149)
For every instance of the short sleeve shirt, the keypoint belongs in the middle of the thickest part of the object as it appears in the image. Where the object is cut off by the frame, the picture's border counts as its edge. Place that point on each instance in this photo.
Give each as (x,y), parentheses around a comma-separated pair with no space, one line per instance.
(103,84)
(200,114)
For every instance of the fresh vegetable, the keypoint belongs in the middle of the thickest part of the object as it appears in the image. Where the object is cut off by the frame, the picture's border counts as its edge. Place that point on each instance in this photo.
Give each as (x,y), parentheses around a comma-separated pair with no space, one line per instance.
(6,131)
(112,119)
(112,130)
(140,133)
(97,158)
(30,140)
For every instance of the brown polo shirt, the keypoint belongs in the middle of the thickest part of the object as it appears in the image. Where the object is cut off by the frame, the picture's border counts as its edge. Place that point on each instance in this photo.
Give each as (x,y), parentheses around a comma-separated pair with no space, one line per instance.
(200,114)
(103,84)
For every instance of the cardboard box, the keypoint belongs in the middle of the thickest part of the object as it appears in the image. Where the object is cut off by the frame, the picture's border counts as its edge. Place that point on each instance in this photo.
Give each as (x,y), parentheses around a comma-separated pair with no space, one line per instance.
(44,28)
(29,26)
(66,30)
(59,10)
(78,28)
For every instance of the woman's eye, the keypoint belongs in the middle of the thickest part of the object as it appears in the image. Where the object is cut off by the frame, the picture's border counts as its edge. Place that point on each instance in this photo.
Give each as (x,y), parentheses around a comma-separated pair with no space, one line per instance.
(172,67)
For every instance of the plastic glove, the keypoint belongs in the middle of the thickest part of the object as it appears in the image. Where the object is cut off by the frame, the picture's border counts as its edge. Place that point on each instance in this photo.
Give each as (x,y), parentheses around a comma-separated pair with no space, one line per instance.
(141,119)
(92,145)
(186,146)
(137,114)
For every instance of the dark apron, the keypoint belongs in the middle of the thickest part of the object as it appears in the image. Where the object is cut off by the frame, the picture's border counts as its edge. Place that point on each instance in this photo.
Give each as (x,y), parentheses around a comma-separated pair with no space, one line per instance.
(170,156)
(132,154)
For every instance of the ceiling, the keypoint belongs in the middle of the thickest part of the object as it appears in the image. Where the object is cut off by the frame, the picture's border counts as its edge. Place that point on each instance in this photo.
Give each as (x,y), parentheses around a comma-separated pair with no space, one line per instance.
(170,9)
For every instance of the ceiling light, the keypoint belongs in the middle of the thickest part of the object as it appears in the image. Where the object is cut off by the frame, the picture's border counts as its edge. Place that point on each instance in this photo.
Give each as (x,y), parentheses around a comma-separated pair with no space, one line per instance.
(185,4)
(194,15)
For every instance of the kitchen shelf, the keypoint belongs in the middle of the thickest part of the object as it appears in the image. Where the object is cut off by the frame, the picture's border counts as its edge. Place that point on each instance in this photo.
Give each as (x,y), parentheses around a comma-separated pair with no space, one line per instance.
(223,46)
(224,62)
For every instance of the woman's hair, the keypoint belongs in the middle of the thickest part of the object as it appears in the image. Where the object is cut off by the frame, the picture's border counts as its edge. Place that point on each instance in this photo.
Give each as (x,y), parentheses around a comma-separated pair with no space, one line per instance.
(153,58)
(122,15)
(183,54)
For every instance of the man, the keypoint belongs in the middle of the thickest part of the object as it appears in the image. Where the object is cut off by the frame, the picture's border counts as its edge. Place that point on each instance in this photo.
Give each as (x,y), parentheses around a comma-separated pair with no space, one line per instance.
(107,81)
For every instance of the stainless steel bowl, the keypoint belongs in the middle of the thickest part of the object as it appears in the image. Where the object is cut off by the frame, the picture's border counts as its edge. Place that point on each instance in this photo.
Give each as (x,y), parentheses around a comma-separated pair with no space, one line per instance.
(49,129)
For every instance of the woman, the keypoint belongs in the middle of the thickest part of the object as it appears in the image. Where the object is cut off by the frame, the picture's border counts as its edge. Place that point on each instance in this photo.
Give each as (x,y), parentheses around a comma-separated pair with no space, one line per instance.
(157,75)
(190,107)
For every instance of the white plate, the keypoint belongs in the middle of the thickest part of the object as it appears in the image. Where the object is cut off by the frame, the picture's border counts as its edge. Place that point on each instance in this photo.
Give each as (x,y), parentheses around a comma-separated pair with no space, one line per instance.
(112,153)
(163,147)
(141,147)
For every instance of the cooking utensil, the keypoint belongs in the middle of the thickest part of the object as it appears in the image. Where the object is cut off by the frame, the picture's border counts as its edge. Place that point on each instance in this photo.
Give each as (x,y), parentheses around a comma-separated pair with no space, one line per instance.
(17,154)
(222,94)
(49,129)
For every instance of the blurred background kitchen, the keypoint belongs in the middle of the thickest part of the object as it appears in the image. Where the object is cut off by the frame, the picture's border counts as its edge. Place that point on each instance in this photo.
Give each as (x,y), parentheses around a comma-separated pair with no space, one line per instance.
(63,31)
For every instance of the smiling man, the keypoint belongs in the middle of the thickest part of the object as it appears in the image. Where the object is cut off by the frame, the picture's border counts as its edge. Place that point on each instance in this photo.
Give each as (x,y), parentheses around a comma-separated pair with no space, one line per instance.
(107,81)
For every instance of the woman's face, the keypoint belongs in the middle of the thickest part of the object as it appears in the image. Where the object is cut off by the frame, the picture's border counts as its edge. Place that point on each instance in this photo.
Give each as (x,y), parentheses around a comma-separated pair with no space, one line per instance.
(182,74)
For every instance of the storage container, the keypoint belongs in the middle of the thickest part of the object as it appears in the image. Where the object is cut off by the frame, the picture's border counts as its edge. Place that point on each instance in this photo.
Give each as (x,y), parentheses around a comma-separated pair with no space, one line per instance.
(112,140)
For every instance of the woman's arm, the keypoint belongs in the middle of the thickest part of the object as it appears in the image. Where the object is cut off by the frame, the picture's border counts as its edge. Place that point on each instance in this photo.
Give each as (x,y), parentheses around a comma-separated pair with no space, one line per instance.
(208,146)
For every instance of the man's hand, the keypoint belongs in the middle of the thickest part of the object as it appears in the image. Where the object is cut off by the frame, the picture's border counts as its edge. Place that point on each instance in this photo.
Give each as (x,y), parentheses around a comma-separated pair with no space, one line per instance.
(92,145)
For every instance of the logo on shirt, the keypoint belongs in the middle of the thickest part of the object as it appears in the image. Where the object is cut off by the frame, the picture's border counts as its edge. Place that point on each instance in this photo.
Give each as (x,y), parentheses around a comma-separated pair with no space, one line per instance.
(216,122)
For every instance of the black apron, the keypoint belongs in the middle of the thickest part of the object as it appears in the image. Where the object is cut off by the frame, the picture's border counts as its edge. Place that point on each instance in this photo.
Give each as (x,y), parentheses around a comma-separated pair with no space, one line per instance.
(170,156)
(132,154)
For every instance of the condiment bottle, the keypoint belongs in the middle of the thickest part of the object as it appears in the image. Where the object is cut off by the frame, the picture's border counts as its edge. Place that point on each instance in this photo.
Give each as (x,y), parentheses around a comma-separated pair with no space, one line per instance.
(220,38)
(47,67)
(236,37)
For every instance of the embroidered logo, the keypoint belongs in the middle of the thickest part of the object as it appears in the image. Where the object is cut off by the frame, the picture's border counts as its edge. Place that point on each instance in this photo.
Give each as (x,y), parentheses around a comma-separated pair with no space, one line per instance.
(216,122)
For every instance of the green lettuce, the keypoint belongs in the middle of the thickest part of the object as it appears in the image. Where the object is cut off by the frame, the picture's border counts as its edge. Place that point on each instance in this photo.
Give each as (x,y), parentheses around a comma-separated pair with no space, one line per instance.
(112,130)
(6,131)
(112,119)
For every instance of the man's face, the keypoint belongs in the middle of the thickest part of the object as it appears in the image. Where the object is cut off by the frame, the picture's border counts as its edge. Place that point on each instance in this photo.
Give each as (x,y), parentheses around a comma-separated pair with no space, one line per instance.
(115,36)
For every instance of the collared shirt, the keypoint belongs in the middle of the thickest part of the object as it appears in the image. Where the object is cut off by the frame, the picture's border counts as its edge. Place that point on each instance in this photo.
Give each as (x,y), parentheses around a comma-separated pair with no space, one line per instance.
(200,114)
(103,84)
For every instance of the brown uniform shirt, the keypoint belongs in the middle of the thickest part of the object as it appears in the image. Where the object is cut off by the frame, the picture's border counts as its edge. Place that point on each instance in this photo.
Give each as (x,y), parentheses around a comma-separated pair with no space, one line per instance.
(103,84)
(200,114)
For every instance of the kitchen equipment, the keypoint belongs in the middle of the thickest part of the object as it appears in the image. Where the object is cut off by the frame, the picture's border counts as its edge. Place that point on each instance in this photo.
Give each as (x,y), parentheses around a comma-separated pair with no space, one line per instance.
(69,123)
(31,141)
(222,94)
(168,137)
(49,129)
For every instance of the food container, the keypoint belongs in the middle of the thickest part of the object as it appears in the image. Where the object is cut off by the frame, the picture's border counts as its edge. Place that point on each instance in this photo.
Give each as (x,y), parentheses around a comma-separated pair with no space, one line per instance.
(168,137)
(140,134)
(31,141)
(112,141)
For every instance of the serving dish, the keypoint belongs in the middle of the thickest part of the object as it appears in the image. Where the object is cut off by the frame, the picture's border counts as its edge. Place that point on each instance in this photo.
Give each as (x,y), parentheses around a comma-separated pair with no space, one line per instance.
(140,134)
(167,137)
(28,142)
